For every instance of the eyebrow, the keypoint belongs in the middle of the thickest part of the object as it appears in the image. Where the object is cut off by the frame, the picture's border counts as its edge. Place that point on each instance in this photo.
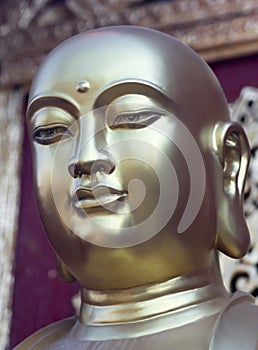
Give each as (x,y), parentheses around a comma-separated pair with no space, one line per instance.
(121,88)
(60,101)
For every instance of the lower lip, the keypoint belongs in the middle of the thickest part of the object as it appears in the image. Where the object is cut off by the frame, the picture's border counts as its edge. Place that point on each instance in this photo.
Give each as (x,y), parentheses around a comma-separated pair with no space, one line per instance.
(102,201)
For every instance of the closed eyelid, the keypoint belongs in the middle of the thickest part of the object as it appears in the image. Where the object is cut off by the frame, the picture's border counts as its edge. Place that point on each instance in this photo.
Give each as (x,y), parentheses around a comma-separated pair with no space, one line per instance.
(50,126)
(141,118)
(50,116)
(54,101)
(50,135)
(137,115)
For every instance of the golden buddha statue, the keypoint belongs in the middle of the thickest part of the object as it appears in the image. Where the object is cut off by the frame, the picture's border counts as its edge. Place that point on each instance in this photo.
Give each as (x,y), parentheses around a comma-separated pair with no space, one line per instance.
(139,177)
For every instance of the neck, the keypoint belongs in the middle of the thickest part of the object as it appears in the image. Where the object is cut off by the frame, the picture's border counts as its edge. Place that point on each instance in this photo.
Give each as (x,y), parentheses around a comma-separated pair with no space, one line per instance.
(186,298)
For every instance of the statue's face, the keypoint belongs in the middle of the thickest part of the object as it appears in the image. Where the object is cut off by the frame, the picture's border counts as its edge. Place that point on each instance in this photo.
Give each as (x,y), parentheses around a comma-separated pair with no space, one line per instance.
(119,143)
(112,176)
(116,177)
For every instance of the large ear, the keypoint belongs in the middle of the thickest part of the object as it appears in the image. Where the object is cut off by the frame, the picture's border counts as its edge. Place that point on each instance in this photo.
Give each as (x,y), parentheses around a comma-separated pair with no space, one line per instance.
(232,150)
(62,270)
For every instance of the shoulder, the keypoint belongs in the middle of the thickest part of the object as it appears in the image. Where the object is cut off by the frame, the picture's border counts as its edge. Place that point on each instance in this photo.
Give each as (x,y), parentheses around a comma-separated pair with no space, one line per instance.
(237,325)
(242,309)
(42,339)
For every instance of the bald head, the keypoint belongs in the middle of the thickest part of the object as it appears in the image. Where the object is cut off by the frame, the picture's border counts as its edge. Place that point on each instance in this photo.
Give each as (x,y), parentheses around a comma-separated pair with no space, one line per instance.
(121,60)
(163,115)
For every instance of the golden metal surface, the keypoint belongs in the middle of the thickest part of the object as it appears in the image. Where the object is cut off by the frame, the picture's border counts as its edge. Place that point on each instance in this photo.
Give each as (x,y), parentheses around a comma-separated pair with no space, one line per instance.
(139,176)
(242,274)
(150,307)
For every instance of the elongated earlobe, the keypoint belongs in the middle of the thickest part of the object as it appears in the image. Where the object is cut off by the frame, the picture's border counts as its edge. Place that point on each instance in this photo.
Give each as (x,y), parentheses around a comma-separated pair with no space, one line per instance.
(63,272)
(232,150)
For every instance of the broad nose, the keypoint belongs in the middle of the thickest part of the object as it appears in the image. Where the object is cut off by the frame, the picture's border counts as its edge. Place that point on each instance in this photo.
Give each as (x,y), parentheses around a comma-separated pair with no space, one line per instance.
(91,154)
(78,167)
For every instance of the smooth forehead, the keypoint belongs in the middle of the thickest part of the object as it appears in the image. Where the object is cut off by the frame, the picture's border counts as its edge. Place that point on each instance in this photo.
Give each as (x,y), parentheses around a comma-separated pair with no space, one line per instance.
(127,59)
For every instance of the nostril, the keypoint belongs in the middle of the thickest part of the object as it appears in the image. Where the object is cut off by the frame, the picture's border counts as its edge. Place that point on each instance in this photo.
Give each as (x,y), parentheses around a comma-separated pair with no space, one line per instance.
(79,168)
(75,169)
(112,169)
(103,167)
(77,172)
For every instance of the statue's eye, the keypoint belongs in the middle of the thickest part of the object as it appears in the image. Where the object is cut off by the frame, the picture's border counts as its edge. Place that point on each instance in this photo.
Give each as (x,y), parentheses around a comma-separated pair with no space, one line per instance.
(48,135)
(134,120)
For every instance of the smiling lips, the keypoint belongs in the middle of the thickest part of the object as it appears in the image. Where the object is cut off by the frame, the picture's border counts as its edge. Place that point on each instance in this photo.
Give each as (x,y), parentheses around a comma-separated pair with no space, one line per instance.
(97,196)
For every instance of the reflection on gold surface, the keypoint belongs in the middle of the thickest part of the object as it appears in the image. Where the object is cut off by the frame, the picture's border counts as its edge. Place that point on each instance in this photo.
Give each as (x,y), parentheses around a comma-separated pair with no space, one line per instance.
(139,176)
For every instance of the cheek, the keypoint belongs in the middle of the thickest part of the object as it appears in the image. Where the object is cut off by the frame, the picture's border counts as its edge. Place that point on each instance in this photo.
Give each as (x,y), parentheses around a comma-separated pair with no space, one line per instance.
(52,185)
(145,166)
(50,171)
(141,181)
(42,172)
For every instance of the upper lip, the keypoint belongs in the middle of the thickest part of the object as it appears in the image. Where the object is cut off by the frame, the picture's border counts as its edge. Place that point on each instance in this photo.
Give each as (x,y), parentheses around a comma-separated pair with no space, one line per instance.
(99,195)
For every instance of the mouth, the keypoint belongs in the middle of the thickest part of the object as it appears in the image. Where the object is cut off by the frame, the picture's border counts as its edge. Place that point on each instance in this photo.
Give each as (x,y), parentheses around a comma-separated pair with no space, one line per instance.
(97,196)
